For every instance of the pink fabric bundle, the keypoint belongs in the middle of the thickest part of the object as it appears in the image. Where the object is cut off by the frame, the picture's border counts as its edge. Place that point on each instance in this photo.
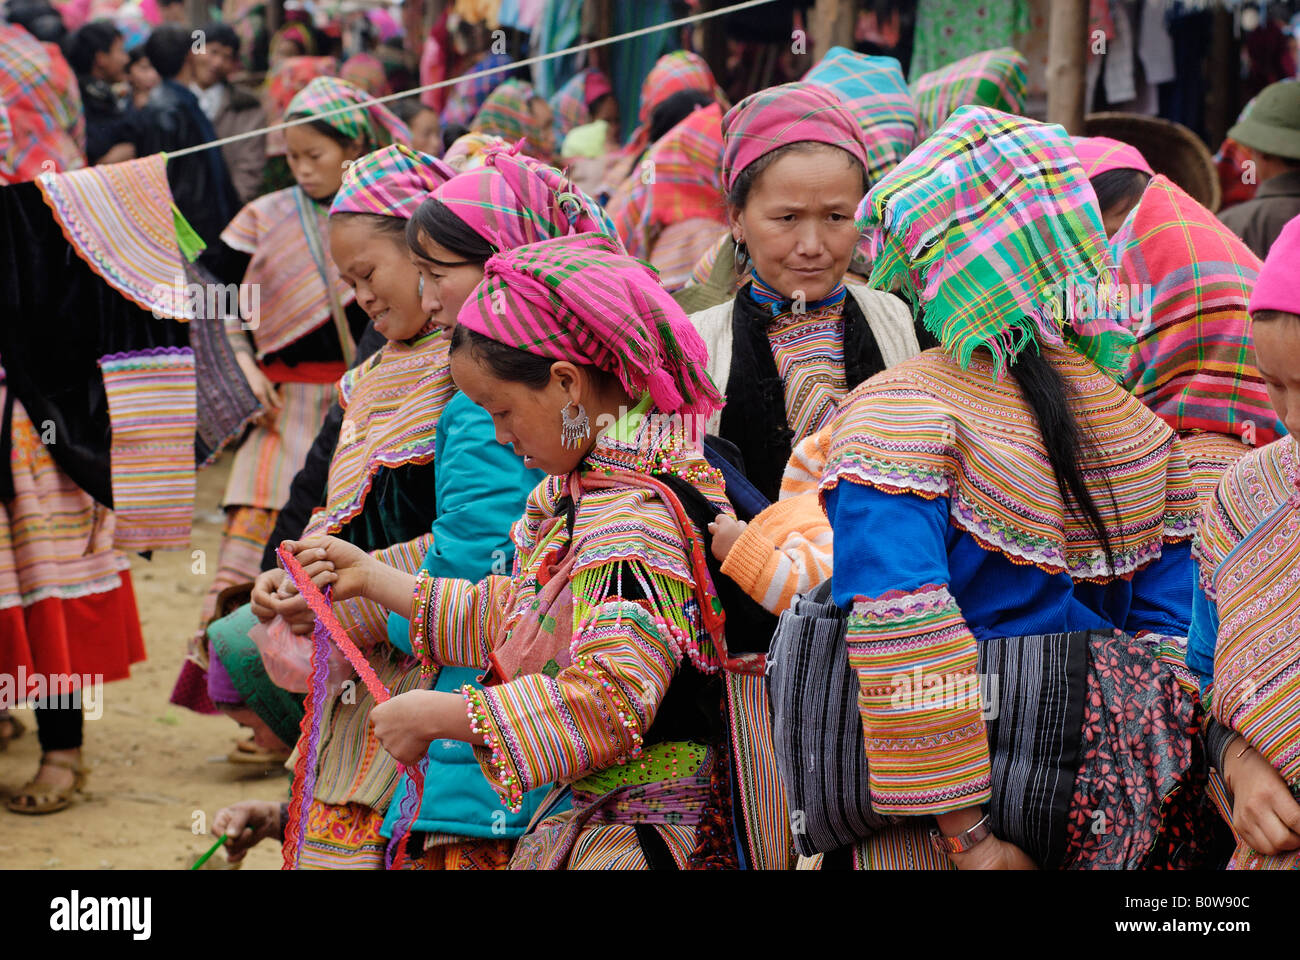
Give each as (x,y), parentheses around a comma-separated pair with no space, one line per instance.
(790,113)
(1278,286)
(581,299)
(1102,154)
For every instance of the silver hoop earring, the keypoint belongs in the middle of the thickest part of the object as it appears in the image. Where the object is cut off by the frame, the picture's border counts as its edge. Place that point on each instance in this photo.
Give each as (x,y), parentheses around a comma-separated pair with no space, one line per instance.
(574,430)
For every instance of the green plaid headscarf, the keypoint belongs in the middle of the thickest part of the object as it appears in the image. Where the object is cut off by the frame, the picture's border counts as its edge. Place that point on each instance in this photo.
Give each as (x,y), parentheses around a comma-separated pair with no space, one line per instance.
(374,123)
(993,78)
(983,227)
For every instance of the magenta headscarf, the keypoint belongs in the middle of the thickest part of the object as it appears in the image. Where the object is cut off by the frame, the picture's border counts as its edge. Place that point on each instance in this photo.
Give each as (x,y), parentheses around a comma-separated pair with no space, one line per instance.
(514,199)
(790,113)
(583,300)
(1278,286)
(1102,154)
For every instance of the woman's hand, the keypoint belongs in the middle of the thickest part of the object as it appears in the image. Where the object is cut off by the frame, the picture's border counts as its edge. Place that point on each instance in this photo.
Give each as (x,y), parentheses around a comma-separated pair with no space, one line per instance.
(247,824)
(407,724)
(265,590)
(993,854)
(263,389)
(331,562)
(726,530)
(1264,812)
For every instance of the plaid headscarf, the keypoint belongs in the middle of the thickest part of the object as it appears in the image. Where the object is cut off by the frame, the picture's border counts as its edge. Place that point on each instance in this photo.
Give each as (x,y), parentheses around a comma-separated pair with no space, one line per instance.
(581,299)
(43,102)
(673,73)
(572,102)
(513,200)
(686,183)
(375,124)
(285,82)
(365,71)
(507,114)
(994,78)
(468,95)
(873,88)
(391,182)
(1194,364)
(982,226)
(1102,154)
(777,116)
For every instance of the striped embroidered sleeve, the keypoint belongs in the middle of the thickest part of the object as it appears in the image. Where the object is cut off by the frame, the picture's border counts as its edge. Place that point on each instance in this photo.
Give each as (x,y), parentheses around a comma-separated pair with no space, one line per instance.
(787,549)
(460,619)
(365,621)
(926,743)
(591,715)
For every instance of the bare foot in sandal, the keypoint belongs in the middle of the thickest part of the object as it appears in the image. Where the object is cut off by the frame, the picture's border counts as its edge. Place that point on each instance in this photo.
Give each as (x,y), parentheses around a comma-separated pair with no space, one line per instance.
(60,776)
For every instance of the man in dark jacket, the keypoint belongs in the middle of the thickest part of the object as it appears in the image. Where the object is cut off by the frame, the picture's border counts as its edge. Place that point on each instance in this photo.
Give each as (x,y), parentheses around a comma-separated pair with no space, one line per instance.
(97,54)
(1271,133)
(173,120)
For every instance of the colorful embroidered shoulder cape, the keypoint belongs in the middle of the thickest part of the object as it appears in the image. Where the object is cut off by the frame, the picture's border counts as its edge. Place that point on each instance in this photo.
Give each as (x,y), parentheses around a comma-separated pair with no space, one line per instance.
(1246,495)
(294,300)
(929,428)
(392,403)
(118,217)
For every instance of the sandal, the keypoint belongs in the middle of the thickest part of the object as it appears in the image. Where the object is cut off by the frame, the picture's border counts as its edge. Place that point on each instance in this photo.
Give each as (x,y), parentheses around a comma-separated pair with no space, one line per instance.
(246,751)
(37,798)
(12,730)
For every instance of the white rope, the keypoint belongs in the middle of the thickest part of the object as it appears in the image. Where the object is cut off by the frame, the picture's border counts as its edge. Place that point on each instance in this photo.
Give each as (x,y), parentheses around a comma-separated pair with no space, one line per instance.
(514,65)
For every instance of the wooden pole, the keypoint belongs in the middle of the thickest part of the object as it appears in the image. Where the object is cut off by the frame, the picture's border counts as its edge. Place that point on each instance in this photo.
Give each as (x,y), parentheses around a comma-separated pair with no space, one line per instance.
(1067,64)
(830,24)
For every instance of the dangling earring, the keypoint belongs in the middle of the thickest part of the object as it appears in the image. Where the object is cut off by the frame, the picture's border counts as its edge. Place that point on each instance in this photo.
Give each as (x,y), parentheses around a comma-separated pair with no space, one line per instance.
(575,429)
(420,289)
(741,256)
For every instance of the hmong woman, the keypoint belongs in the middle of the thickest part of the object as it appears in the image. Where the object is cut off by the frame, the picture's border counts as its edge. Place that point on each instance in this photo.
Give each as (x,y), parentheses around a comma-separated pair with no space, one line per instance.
(674,73)
(514,112)
(794,341)
(670,219)
(1001,505)
(876,94)
(66,607)
(478,490)
(600,648)
(308,327)
(1194,364)
(1243,646)
(1118,173)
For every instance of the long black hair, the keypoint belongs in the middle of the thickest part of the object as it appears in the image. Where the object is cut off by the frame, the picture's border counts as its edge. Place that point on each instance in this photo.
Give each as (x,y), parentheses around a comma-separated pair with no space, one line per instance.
(433,219)
(1045,392)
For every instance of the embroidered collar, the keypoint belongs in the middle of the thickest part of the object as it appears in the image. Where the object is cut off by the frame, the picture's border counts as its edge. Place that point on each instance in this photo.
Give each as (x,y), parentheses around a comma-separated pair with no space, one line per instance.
(776,304)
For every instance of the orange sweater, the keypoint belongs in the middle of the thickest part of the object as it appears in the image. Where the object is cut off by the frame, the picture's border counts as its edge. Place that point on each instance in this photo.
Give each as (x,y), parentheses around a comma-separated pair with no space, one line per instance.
(786,549)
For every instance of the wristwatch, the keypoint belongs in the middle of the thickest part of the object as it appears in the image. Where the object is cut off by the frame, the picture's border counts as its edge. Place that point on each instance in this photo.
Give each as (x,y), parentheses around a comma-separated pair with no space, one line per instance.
(963,841)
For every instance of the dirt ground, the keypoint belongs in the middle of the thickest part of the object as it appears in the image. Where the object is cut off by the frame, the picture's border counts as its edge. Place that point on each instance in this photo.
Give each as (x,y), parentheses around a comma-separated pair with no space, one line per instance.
(156,770)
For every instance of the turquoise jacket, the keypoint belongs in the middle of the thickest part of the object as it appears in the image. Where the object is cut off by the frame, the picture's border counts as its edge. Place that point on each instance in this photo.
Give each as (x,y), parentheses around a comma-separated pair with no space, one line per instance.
(481,488)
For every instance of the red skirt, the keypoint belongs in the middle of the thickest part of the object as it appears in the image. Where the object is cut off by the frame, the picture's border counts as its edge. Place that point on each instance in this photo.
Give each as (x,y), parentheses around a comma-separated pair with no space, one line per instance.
(66,602)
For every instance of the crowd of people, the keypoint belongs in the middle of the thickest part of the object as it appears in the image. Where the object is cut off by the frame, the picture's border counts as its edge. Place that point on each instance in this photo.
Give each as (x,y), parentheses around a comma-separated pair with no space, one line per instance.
(579,456)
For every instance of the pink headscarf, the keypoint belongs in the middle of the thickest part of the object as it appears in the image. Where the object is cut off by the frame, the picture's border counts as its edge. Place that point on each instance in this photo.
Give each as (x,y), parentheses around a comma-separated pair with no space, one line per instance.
(1102,154)
(1278,286)
(790,113)
(580,299)
(513,200)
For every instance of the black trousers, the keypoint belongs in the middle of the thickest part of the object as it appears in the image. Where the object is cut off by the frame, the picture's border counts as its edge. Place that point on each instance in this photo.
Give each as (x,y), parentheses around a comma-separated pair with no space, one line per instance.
(59,723)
